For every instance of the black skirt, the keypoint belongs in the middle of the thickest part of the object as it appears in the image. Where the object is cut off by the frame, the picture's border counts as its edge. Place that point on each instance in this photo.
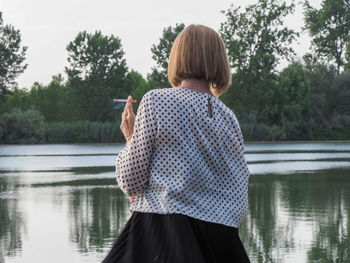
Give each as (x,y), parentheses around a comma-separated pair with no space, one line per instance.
(176,238)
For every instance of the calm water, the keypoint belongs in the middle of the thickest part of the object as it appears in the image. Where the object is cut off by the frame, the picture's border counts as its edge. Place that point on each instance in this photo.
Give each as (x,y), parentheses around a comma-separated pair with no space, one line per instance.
(60,203)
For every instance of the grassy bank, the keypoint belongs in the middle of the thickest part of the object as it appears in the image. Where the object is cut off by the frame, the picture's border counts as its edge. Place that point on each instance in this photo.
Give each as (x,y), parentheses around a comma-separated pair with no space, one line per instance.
(29,127)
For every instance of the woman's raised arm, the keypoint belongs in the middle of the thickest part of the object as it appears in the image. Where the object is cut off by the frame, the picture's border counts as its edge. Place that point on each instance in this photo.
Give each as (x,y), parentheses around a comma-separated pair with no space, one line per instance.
(132,162)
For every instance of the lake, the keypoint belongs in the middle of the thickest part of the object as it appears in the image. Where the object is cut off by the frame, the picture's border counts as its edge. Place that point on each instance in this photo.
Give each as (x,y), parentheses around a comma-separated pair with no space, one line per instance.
(61,203)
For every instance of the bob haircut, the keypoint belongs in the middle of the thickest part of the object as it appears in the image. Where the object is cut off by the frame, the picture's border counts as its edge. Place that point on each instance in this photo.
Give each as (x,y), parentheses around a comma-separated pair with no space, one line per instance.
(199,52)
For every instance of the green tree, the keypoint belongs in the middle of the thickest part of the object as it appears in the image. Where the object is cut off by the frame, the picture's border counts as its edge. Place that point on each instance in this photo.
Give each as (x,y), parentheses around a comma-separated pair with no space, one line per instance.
(347,56)
(321,78)
(329,102)
(52,100)
(12,57)
(18,98)
(137,84)
(160,53)
(329,28)
(96,73)
(289,102)
(341,96)
(256,40)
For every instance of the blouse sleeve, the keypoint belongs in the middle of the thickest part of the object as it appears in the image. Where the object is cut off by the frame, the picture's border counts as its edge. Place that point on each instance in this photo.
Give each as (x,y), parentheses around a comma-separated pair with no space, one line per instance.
(237,131)
(132,162)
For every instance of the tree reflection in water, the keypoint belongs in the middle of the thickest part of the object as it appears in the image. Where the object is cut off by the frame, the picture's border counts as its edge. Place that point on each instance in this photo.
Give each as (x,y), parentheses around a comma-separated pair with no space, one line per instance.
(12,226)
(294,212)
(303,215)
(97,216)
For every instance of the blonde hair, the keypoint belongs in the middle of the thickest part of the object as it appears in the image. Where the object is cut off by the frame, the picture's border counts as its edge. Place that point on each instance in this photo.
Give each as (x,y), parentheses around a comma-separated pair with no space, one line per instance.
(199,52)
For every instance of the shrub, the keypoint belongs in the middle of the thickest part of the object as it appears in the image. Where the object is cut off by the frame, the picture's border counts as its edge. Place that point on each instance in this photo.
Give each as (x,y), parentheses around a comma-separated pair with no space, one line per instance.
(20,127)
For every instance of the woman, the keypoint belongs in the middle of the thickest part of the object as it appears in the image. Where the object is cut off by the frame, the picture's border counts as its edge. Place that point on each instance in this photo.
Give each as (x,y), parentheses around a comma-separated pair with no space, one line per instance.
(183,164)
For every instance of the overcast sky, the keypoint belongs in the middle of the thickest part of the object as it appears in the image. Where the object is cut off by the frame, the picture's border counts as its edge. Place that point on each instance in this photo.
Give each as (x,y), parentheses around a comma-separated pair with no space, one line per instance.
(48,26)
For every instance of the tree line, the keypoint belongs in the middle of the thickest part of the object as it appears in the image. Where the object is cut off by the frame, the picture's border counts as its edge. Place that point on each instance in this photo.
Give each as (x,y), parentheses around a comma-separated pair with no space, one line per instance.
(307,100)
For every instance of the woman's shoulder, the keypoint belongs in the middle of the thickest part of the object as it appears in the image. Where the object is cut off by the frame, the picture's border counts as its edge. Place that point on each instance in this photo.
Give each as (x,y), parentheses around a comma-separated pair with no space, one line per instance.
(160,91)
(167,96)
(162,96)
(156,93)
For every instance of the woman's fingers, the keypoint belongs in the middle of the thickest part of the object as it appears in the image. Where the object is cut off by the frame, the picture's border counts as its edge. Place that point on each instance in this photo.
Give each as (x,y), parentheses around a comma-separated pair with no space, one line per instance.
(128,119)
(128,106)
(128,110)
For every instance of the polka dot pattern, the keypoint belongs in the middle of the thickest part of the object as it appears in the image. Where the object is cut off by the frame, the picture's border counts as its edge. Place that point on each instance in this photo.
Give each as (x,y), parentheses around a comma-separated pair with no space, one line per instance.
(184,159)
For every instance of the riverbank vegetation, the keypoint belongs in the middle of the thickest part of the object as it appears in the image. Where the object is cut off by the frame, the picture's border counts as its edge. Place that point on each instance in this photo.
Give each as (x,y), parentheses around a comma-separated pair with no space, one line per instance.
(306,100)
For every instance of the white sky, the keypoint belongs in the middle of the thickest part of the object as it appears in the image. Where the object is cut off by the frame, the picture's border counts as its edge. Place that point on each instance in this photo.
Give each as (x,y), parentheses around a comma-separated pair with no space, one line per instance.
(48,26)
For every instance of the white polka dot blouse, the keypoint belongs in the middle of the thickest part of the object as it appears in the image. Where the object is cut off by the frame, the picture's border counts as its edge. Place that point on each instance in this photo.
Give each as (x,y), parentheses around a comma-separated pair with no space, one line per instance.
(186,156)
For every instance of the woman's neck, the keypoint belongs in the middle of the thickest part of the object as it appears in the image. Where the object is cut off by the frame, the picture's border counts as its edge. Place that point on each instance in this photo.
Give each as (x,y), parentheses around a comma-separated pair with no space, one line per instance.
(200,85)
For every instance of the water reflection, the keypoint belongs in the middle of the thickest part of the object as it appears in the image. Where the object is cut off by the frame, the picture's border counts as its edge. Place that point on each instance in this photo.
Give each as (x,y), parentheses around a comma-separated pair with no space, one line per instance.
(96,215)
(299,218)
(12,226)
(299,208)
(82,220)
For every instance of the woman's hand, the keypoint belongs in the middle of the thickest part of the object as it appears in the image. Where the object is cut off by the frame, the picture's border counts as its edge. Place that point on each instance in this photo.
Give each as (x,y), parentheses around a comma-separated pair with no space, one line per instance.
(127,125)
(128,120)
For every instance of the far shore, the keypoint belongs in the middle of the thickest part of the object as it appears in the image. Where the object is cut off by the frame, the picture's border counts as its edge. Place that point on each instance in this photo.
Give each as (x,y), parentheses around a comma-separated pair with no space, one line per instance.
(123,143)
